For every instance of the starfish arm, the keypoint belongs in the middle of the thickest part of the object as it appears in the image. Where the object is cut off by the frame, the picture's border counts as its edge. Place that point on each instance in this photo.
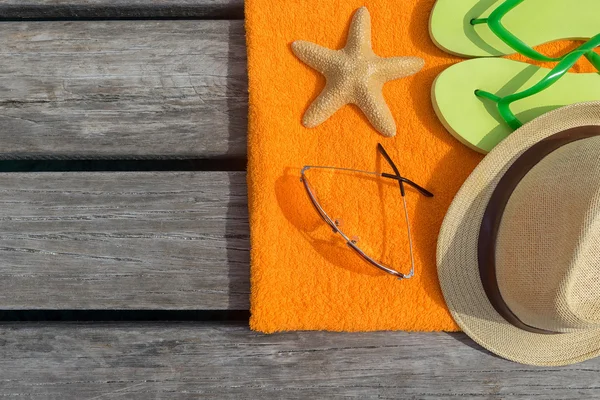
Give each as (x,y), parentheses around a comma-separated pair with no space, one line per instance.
(372,103)
(359,35)
(329,101)
(388,69)
(317,57)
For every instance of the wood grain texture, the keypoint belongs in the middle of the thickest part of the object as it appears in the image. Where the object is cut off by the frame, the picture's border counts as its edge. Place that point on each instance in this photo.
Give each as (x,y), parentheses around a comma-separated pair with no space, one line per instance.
(123,89)
(120,9)
(226,361)
(124,240)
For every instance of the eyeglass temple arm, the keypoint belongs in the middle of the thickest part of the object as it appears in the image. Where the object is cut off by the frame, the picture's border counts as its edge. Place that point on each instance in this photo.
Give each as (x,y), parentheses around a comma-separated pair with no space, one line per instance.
(389,161)
(420,189)
(399,177)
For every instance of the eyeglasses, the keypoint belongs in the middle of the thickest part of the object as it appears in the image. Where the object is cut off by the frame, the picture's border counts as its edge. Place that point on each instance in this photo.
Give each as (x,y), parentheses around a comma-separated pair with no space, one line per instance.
(353,242)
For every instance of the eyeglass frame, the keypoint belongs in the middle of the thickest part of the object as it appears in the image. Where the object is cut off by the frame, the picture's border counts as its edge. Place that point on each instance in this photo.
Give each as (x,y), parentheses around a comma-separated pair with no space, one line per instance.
(334,224)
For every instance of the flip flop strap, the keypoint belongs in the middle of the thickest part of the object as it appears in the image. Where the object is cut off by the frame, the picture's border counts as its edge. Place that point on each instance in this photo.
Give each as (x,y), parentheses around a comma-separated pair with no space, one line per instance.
(567,62)
(494,21)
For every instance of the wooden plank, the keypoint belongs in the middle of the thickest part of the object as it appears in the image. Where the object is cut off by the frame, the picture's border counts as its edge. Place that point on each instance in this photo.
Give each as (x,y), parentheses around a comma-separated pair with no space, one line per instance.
(124,240)
(123,89)
(222,361)
(120,9)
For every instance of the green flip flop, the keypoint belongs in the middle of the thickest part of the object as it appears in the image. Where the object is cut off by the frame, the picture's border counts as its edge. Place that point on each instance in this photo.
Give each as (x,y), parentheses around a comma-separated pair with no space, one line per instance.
(484,28)
(482,101)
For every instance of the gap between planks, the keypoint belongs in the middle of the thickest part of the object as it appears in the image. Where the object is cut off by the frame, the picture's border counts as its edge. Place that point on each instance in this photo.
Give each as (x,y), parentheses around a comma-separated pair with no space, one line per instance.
(120,9)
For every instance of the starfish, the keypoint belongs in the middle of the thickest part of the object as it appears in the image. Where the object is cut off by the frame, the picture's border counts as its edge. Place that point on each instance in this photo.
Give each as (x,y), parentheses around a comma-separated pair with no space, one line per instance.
(355,75)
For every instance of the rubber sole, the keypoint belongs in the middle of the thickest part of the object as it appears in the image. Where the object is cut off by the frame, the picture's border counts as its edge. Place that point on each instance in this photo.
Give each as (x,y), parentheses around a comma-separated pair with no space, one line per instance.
(534,21)
(476,121)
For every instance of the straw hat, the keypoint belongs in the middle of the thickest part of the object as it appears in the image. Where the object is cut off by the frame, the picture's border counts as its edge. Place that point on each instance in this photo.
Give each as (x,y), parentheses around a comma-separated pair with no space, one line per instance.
(519,250)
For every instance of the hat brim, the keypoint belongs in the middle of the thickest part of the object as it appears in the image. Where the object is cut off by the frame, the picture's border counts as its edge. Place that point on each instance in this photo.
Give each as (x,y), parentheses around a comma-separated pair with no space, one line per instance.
(457,261)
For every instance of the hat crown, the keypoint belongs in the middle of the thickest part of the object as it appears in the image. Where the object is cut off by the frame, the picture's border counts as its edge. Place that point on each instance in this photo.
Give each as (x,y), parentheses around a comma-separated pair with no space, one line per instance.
(548,247)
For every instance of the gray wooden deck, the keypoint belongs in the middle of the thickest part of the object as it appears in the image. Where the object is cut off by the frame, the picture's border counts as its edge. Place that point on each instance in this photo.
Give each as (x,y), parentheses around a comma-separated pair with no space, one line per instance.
(165,80)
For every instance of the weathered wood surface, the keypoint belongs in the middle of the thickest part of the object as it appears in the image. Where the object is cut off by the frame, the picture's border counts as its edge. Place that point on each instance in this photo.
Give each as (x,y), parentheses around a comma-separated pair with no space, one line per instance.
(123,89)
(172,240)
(121,9)
(222,361)
(124,240)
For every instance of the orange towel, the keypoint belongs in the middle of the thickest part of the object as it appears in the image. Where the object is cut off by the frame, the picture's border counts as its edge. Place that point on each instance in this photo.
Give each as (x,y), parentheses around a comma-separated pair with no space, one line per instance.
(303,277)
